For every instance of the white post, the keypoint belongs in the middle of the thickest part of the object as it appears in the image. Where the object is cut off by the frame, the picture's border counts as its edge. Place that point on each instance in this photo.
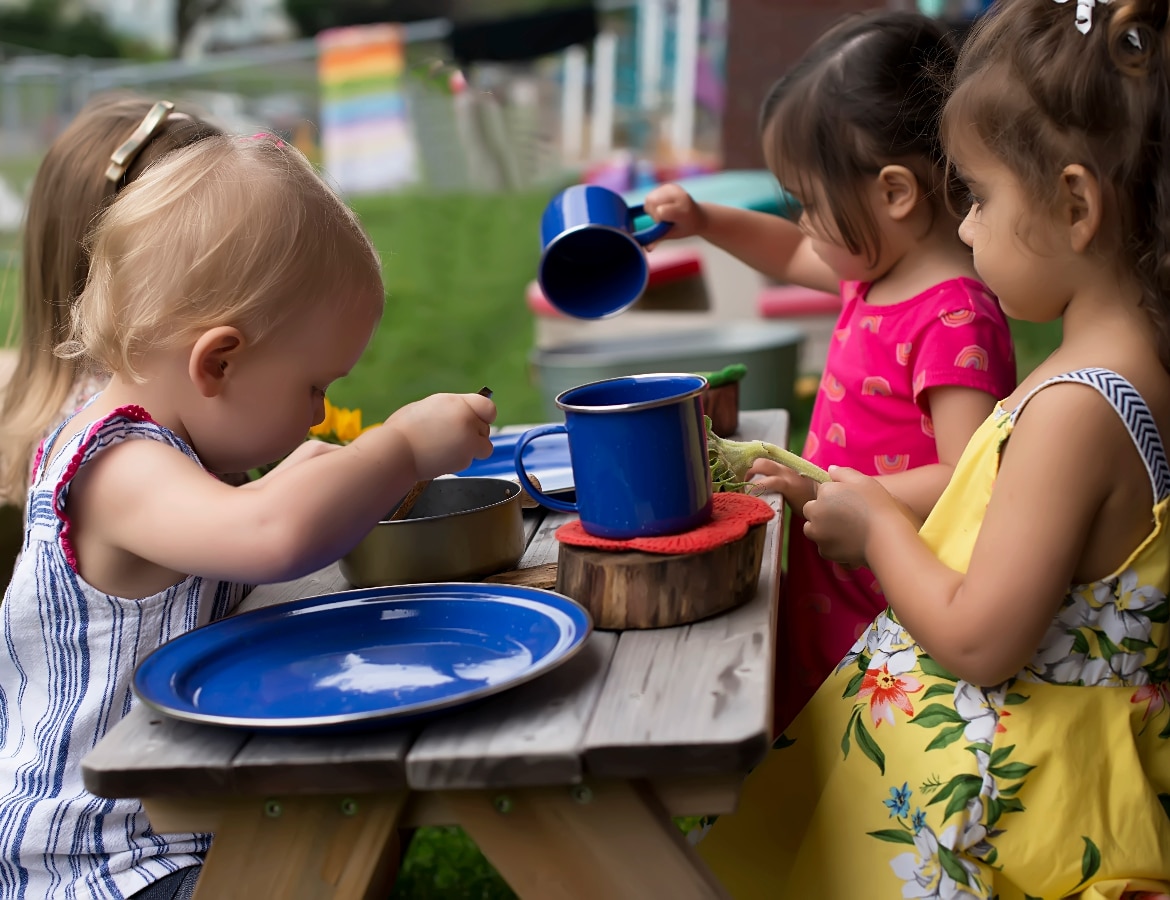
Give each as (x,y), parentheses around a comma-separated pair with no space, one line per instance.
(651,30)
(604,78)
(573,104)
(686,63)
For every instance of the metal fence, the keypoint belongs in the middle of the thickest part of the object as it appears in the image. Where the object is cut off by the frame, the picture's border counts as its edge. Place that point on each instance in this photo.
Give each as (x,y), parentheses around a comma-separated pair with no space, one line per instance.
(509,129)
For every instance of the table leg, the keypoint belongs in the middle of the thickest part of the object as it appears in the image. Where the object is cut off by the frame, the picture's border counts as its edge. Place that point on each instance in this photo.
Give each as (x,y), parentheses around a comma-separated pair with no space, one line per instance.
(304,848)
(612,839)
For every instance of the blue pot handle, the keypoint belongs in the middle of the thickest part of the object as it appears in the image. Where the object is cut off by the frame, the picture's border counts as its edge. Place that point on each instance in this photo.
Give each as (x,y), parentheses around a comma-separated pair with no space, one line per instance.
(537,495)
(651,234)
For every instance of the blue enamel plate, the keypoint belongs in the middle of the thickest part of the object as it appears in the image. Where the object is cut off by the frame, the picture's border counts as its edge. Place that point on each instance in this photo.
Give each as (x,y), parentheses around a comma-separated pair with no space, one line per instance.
(547,458)
(362,657)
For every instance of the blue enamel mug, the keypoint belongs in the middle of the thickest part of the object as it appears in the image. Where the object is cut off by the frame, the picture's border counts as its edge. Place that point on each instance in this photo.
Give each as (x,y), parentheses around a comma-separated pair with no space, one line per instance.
(592,264)
(638,449)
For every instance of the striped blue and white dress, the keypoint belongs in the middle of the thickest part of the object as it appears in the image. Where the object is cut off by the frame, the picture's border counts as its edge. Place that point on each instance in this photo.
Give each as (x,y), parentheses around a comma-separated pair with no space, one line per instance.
(68,656)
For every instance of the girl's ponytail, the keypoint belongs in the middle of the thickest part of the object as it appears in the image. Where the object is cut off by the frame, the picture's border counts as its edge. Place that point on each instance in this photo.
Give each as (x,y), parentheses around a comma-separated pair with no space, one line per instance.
(1136,33)
(1043,84)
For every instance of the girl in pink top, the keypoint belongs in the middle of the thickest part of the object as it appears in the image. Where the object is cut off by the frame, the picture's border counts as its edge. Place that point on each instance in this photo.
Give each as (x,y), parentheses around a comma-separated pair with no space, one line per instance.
(921,350)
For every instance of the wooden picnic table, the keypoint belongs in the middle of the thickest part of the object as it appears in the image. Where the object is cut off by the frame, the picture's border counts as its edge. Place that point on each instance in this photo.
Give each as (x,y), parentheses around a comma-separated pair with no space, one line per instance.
(567,783)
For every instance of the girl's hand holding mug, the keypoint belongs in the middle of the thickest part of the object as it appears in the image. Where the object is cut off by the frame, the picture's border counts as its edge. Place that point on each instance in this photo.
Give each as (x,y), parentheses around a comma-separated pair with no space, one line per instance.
(670,203)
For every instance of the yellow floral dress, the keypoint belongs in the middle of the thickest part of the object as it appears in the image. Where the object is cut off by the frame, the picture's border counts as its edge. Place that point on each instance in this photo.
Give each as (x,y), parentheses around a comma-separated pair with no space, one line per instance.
(900,780)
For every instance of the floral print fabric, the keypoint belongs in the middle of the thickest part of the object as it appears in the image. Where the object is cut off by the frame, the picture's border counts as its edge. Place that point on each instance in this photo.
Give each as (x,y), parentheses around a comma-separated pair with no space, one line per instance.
(901,780)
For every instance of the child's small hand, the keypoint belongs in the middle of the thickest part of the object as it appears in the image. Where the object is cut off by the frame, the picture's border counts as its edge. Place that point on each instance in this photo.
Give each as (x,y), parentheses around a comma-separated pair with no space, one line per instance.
(670,203)
(843,513)
(304,451)
(773,476)
(446,432)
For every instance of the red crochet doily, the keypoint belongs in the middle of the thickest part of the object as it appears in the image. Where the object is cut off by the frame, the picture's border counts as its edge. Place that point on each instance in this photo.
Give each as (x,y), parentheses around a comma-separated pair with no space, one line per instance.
(731,517)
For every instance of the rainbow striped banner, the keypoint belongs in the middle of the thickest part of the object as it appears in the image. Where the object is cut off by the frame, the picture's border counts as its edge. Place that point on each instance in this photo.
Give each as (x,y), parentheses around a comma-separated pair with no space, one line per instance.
(367,141)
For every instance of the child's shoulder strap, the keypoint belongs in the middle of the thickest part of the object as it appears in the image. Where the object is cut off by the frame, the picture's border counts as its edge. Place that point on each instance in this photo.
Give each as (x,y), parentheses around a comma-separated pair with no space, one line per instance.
(47,516)
(1133,411)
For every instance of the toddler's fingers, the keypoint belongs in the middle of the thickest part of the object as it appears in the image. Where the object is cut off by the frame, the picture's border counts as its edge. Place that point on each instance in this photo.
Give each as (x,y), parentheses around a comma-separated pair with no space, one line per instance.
(482,407)
(484,448)
(765,467)
(770,483)
(668,212)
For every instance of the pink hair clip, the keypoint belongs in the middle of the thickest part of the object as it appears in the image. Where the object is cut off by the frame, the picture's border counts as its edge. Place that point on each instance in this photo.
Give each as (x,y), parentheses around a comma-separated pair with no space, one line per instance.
(262,135)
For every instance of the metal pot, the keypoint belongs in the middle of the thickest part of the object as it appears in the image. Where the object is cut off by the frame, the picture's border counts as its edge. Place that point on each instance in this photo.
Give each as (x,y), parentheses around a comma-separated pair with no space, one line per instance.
(459,530)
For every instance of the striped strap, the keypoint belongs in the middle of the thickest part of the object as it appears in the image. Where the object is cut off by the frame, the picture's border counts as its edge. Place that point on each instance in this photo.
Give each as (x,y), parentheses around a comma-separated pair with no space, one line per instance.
(1132,409)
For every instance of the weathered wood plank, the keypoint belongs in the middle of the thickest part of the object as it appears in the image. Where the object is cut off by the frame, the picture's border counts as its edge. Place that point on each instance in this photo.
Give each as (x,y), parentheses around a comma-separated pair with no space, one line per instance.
(543,546)
(371,762)
(150,753)
(543,577)
(529,735)
(532,519)
(715,795)
(611,839)
(698,699)
(304,849)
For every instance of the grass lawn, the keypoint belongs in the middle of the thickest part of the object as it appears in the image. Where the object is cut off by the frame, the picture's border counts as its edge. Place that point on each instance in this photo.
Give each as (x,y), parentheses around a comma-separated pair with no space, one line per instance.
(455,268)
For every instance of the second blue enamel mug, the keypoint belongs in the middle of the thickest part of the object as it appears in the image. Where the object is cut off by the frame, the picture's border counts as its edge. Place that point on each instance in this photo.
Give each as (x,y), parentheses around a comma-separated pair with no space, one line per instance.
(592,264)
(638,448)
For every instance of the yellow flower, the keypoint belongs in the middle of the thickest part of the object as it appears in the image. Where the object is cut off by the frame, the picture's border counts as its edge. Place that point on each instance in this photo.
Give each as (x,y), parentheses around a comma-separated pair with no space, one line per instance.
(340,425)
(347,424)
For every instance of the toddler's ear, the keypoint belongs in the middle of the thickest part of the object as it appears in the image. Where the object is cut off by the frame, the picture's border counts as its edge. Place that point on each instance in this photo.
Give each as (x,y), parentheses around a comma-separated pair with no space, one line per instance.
(213,355)
(898,191)
(1080,194)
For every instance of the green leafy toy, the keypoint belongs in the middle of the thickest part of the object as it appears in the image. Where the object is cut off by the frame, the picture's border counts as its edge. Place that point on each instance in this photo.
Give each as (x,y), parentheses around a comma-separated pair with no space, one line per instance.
(730,461)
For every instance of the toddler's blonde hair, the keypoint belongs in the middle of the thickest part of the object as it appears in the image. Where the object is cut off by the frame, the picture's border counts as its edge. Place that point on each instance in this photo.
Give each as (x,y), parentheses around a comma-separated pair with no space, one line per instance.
(70,189)
(231,231)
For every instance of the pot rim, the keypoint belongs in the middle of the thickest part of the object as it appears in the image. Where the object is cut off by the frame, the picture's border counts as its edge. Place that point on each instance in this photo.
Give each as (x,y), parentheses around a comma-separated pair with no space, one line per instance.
(513,497)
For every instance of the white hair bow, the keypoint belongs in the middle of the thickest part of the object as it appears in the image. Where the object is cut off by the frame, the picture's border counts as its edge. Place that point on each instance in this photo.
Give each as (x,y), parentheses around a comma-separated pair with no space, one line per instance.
(1085,13)
(1085,20)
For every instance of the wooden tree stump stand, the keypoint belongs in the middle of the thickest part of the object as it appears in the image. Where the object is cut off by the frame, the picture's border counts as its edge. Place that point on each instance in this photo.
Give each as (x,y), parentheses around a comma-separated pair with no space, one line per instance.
(633,589)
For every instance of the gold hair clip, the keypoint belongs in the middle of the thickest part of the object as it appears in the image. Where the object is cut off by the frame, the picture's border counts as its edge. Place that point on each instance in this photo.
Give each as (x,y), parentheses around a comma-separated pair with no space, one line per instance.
(121,158)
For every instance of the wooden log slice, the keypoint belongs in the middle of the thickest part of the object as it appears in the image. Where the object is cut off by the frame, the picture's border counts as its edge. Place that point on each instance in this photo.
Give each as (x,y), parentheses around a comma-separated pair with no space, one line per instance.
(649,590)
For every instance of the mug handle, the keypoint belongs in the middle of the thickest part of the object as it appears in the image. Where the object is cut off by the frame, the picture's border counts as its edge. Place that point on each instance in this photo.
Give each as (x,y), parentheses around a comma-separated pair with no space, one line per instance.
(651,234)
(538,495)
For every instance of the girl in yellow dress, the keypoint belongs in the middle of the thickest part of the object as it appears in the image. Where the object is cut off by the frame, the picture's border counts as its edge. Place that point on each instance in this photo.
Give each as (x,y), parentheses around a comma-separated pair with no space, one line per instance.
(1003,730)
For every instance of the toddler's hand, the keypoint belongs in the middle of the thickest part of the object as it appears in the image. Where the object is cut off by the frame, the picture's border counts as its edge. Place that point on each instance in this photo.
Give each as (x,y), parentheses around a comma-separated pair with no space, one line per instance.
(670,203)
(306,450)
(839,519)
(445,432)
(773,476)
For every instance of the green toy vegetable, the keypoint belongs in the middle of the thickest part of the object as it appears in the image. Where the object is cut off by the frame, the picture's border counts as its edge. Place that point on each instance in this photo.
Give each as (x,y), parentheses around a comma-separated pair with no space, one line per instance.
(726,375)
(730,461)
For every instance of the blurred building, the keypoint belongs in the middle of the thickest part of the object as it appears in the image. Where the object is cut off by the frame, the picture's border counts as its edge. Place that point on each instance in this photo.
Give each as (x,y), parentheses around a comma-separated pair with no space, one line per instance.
(764,39)
(154,23)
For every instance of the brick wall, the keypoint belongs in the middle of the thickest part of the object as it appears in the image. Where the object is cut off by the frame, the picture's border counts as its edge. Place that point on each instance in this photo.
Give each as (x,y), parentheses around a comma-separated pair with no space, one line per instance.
(764,38)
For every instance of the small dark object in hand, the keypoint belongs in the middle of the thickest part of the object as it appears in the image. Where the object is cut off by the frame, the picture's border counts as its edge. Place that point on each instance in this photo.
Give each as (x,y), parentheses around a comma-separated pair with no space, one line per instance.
(415,492)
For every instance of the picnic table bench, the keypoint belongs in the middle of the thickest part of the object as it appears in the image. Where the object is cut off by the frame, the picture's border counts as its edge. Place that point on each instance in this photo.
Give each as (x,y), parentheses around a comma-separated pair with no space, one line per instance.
(567,783)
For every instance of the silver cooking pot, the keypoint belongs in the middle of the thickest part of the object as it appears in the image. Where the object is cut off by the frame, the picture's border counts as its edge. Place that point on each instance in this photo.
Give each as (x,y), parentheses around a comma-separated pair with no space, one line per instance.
(460,529)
